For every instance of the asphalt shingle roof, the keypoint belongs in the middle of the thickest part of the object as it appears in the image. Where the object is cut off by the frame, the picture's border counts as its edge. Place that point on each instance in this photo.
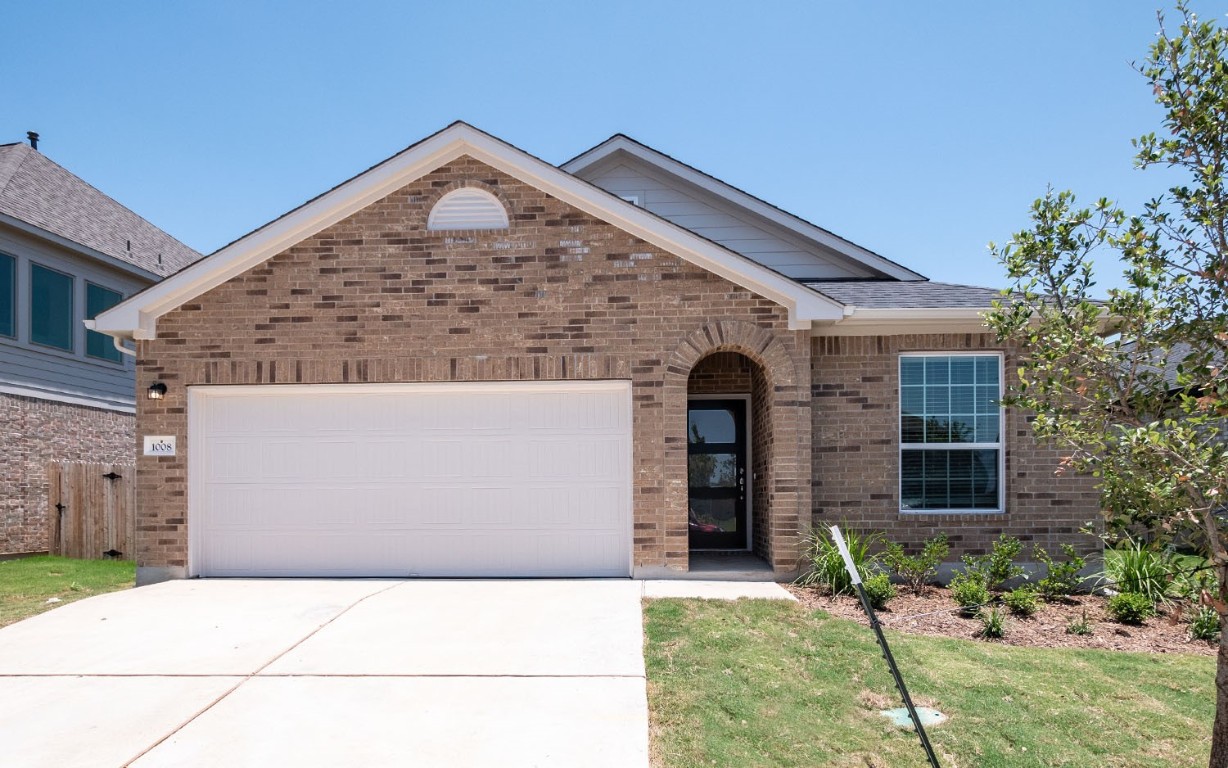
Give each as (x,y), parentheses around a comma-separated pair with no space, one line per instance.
(37,191)
(891,294)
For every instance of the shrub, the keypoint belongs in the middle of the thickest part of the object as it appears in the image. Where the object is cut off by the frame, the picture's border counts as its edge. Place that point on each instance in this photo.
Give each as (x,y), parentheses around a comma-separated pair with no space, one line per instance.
(1061,578)
(1205,625)
(917,570)
(1080,626)
(993,623)
(1021,601)
(1134,568)
(1190,584)
(1130,607)
(969,592)
(879,589)
(997,567)
(827,567)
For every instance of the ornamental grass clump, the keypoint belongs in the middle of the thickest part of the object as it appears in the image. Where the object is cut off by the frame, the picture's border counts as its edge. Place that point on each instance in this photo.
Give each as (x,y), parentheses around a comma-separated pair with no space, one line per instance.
(826,566)
(993,623)
(1138,569)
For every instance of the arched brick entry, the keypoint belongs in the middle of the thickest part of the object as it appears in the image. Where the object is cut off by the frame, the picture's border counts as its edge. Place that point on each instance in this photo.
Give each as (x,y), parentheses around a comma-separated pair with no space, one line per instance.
(784,493)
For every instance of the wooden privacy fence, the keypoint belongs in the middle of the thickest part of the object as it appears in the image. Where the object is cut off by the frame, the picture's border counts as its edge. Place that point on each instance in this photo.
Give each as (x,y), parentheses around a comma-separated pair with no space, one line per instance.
(91,510)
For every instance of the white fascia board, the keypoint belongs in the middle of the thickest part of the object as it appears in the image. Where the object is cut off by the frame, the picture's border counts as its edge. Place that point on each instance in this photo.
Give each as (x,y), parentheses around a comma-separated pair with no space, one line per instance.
(861,321)
(137,316)
(742,199)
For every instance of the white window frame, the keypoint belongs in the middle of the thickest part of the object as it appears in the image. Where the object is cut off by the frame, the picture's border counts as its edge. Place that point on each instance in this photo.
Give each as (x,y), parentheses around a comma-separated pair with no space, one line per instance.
(999,446)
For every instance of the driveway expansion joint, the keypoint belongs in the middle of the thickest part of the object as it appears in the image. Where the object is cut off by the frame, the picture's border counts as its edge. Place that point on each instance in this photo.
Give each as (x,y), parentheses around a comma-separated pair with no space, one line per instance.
(246,678)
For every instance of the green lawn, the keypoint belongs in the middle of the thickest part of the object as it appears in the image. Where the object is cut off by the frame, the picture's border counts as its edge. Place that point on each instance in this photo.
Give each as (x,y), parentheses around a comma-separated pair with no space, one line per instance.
(27,583)
(767,683)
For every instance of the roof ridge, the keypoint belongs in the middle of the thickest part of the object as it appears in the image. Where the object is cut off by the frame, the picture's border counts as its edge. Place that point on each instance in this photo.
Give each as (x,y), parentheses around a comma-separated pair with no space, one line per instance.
(9,169)
(740,191)
(113,200)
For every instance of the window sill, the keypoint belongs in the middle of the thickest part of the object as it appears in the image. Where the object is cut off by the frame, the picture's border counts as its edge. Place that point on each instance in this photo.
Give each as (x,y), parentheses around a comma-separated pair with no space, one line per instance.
(988,514)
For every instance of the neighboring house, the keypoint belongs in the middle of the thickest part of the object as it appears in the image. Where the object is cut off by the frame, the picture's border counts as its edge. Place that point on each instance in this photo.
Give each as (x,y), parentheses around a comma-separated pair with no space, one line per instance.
(67,252)
(468,362)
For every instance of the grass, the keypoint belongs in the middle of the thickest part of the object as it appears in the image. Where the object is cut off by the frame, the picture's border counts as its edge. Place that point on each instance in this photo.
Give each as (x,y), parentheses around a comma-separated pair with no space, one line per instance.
(27,583)
(766,683)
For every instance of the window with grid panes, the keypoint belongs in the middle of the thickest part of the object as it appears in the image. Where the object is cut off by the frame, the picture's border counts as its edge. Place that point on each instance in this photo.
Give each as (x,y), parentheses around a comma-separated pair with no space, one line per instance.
(951,432)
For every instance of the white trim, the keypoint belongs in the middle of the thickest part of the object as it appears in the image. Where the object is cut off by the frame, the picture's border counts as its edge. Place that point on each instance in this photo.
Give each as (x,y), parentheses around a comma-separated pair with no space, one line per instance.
(999,446)
(138,315)
(67,397)
(741,199)
(750,464)
(199,395)
(863,321)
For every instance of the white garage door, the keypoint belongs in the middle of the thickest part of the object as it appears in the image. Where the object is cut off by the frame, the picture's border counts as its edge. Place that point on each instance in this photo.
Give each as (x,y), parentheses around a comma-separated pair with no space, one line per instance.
(489,479)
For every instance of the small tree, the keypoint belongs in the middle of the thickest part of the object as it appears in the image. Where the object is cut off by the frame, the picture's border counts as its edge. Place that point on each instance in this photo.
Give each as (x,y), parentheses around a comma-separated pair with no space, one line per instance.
(1134,386)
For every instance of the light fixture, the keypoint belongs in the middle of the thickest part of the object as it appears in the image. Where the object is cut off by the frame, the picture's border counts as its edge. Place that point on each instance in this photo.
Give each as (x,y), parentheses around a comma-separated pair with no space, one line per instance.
(157,391)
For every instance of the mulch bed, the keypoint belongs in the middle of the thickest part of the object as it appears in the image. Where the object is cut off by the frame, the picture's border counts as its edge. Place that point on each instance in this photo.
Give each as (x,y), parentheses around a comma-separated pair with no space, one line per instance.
(934,613)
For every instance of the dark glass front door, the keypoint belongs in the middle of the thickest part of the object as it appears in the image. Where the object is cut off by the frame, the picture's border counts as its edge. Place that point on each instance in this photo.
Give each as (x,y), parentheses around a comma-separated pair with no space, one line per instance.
(716,473)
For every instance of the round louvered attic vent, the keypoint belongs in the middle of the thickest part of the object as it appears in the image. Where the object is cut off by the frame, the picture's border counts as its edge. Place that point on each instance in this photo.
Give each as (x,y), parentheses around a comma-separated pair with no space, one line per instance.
(467,209)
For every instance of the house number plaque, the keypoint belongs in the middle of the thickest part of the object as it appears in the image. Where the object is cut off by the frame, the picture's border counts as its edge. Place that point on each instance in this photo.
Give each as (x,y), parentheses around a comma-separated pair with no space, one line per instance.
(159,445)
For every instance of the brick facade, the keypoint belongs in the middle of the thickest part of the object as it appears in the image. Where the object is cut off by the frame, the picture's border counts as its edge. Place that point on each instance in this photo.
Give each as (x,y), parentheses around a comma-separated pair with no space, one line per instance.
(559,295)
(36,432)
(856,455)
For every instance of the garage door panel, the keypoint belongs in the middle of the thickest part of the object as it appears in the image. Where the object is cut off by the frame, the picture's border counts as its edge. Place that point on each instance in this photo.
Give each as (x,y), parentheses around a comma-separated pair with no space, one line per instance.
(480,482)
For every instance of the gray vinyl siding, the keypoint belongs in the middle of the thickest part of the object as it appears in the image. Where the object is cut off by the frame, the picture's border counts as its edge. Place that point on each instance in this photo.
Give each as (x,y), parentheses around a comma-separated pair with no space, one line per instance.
(53,372)
(709,216)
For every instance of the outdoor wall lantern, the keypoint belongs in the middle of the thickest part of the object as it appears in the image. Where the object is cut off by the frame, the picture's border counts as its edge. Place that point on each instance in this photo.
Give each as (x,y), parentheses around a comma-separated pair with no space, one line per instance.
(157,391)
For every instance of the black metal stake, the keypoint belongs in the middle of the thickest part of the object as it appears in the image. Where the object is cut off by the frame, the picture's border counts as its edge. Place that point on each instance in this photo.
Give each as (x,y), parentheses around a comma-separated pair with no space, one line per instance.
(895,674)
(882,643)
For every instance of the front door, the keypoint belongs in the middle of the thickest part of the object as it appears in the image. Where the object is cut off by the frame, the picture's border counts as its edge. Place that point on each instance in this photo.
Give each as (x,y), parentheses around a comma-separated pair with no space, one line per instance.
(716,473)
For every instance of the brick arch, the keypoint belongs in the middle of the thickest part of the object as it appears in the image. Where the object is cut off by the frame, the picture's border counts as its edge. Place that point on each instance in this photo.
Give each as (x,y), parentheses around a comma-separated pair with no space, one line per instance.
(757,343)
(786,485)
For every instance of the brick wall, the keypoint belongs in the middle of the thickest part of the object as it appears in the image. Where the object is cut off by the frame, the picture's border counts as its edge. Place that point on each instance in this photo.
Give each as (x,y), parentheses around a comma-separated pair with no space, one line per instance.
(34,432)
(856,455)
(559,295)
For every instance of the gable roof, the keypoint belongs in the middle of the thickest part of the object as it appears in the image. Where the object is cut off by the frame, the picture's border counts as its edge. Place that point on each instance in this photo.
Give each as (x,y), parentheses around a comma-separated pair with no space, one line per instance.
(137,317)
(621,143)
(38,192)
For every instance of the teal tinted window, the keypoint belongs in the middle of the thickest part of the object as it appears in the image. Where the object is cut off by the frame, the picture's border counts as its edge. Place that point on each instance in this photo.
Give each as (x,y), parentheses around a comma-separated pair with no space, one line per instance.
(8,295)
(98,299)
(51,308)
(950,432)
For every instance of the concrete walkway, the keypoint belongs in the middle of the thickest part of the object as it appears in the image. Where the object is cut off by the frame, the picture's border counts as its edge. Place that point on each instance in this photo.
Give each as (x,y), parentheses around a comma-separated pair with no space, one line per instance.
(329,673)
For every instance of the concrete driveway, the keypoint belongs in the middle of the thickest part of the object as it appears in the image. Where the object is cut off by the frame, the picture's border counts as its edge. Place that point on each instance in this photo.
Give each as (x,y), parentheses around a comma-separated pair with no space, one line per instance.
(330,673)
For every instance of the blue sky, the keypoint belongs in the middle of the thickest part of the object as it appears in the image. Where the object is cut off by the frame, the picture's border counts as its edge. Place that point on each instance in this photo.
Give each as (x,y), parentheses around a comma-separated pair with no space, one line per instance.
(919,130)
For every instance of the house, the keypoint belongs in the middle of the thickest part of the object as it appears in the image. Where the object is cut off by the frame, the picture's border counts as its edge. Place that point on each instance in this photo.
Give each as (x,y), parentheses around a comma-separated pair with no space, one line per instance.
(466,361)
(67,251)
